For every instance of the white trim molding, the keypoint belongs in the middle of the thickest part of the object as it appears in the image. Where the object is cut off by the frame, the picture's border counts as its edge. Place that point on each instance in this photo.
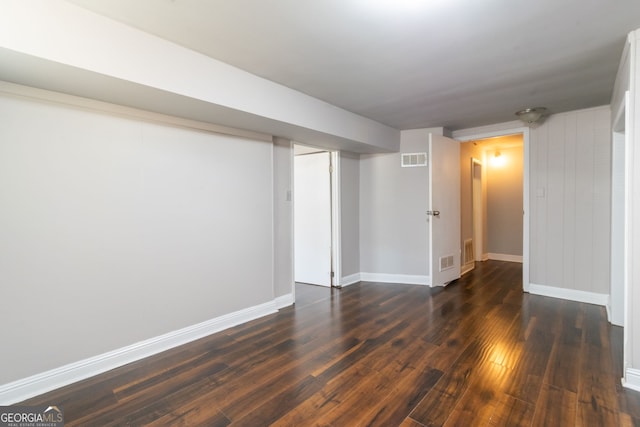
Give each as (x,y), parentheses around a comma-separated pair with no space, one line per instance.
(284,301)
(569,294)
(631,379)
(351,279)
(43,382)
(406,279)
(505,257)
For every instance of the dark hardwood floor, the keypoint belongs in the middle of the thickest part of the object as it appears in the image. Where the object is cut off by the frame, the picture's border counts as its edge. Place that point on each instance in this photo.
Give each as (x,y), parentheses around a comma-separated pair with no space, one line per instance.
(478,352)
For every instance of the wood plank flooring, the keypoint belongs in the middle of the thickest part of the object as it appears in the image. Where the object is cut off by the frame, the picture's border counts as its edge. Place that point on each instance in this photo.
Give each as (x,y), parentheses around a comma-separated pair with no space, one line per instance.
(478,352)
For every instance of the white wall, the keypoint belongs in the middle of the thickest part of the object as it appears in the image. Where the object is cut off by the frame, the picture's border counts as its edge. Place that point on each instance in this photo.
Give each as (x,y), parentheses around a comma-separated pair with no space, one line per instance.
(393,202)
(571,201)
(350,213)
(504,202)
(283,218)
(113,231)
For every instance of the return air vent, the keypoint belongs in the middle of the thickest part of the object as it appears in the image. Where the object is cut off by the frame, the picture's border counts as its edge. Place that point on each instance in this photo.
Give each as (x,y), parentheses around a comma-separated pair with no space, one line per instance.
(446,262)
(413,160)
(468,251)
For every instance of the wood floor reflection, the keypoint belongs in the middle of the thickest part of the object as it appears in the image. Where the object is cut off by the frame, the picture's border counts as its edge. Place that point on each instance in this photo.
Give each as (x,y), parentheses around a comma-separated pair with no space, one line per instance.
(478,352)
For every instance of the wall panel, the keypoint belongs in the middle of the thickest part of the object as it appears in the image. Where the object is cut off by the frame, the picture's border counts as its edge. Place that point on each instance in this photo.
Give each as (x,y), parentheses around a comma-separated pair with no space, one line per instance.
(570,201)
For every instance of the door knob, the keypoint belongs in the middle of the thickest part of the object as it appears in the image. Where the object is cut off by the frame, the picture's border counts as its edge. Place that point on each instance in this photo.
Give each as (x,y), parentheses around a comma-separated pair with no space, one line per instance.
(434,213)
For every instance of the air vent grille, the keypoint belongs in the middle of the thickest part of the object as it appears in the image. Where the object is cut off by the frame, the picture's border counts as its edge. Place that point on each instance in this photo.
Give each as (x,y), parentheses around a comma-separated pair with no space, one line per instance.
(413,160)
(468,251)
(446,262)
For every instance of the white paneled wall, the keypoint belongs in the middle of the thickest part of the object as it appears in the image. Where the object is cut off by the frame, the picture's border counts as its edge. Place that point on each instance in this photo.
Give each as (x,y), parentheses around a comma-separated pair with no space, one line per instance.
(570,201)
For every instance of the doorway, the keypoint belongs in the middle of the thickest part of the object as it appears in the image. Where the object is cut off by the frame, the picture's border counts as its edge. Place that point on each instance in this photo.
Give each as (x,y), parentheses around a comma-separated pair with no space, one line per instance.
(316,223)
(494,198)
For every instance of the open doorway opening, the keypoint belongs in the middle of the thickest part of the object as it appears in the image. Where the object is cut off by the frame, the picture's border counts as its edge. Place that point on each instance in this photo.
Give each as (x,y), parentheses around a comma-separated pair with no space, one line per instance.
(316,219)
(492,199)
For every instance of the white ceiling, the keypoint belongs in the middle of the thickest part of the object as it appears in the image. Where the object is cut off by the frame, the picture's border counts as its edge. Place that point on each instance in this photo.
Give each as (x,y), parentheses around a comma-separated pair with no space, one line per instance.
(406,63)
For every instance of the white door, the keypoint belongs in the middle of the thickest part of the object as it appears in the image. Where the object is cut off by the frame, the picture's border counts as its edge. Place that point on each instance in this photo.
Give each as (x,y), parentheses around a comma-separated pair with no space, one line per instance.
(444,209)
(312,218)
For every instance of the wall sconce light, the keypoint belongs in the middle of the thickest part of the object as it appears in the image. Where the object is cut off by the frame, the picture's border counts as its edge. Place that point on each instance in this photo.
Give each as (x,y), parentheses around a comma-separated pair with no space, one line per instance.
(497,160)
(531,115)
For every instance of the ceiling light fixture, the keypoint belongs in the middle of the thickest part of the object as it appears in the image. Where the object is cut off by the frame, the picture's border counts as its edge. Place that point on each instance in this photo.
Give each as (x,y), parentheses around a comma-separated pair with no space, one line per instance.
(531,115)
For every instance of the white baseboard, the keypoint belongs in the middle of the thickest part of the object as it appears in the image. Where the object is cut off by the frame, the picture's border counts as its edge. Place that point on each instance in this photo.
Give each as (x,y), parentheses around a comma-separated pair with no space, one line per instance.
(569,294)
(396,278)
(505,257)
(467,268)
(25,388)
(631,379)
(350,279)
(284,301)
